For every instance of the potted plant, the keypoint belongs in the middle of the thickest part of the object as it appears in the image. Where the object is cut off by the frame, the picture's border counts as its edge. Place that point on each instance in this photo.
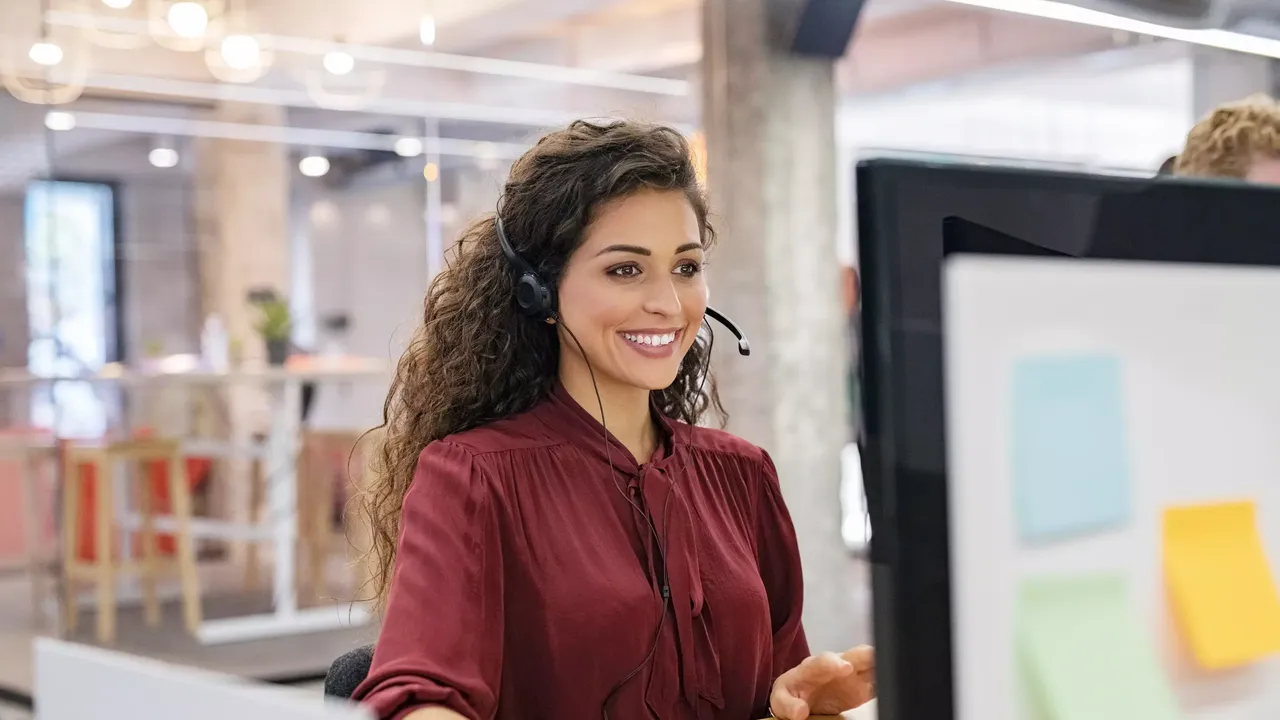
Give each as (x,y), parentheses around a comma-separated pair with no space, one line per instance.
(274,324)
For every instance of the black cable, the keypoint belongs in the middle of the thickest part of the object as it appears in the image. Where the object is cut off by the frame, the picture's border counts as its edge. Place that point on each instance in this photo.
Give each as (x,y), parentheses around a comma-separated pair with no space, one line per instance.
(660,538)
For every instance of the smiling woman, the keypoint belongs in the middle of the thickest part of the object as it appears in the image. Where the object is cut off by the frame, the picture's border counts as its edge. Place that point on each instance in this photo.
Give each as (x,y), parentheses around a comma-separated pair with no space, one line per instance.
(556,535)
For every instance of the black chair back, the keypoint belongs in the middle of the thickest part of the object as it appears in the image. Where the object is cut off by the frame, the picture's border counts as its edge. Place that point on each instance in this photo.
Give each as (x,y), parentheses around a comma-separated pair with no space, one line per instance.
(347,672)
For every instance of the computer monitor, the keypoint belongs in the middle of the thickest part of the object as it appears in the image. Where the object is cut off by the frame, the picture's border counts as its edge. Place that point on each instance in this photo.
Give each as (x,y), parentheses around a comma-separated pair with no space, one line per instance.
(74,681)
(968,271)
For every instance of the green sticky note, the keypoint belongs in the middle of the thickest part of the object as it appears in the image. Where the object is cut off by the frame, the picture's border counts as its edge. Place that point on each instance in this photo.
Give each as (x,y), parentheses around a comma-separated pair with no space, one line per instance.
(1086,655)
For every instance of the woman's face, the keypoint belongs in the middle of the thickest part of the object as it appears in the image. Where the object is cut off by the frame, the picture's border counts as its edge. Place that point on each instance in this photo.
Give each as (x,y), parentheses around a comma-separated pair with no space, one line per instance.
(1265,170)
(633,293)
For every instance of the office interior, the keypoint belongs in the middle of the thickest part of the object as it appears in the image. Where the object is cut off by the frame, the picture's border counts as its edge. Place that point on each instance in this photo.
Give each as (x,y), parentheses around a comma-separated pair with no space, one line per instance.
(282,179)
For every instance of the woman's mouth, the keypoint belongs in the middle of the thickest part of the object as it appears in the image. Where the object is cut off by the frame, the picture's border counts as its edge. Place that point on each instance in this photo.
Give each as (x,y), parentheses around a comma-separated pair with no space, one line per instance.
(652,343)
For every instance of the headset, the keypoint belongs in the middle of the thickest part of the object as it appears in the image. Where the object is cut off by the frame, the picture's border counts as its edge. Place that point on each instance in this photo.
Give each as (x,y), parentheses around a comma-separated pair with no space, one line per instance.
(536,298)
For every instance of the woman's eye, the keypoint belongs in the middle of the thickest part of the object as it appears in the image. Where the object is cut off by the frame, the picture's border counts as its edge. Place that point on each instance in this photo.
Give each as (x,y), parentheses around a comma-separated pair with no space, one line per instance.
(625,271)
(688,269)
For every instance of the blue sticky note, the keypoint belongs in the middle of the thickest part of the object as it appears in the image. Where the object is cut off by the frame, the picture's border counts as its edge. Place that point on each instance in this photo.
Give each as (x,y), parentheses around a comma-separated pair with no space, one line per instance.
(1070,464)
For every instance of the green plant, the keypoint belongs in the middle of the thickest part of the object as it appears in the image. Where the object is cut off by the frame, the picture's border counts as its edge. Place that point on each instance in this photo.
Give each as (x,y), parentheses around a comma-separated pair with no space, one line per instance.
(274,322)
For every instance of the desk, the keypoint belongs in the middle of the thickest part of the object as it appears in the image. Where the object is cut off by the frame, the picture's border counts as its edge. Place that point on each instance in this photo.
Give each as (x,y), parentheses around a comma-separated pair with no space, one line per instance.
(280,458)
(74,682)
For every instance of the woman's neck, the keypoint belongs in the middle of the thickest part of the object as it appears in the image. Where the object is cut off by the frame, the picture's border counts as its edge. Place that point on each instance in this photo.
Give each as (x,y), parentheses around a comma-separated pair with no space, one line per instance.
(626,411)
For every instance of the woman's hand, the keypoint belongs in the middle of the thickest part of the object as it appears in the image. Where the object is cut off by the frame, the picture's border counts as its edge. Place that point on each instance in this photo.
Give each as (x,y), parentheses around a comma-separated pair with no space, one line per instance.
(826,684)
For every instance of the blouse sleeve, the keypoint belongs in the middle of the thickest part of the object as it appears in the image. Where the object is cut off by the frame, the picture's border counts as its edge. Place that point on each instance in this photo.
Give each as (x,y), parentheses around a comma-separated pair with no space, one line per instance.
(441,639)
(779,557)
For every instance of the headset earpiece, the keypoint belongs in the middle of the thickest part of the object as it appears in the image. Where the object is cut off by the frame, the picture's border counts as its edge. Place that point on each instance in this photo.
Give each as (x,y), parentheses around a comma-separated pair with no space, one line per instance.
(535,297)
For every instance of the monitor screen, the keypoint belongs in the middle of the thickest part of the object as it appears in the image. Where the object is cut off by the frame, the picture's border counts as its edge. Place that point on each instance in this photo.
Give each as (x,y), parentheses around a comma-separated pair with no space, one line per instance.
(988,293)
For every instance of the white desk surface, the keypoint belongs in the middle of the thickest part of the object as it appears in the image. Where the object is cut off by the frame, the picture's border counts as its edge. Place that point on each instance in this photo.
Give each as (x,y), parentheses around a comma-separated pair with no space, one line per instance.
(74,682)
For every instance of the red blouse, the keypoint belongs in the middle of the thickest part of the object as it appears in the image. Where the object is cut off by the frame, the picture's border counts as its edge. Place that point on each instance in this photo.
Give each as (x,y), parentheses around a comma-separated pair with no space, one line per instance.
(527,586)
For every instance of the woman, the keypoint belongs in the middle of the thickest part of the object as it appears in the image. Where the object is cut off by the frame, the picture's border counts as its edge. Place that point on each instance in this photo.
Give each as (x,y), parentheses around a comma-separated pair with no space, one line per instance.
(570,544)
(1239,140)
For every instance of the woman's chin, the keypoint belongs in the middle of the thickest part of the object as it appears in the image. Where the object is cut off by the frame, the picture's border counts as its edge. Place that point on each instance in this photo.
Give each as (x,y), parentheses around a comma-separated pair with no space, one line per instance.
(652,380)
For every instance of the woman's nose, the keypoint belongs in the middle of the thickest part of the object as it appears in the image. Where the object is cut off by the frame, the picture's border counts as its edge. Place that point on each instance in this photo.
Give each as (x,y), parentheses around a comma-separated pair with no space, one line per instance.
(663,298)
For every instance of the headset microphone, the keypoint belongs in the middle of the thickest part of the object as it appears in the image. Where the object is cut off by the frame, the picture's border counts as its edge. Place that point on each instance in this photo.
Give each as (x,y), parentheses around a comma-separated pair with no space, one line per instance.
(744,347)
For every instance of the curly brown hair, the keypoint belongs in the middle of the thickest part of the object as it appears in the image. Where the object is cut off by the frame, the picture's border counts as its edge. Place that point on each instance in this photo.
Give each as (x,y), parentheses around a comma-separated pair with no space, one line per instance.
(475,358)
(1227,142)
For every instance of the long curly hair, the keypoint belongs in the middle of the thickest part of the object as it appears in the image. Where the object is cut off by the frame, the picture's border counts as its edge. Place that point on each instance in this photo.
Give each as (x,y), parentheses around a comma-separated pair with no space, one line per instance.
(1226,143)
(476,359)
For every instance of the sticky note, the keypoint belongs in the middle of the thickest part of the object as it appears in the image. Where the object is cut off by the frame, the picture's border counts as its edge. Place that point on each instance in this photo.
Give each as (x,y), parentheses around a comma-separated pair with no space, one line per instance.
(1086,655)
(1070,465)
(1220,584)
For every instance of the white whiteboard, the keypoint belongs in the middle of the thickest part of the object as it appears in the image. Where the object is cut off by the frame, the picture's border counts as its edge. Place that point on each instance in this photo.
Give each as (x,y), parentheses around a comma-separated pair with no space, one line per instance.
(75,682)
(1199,348)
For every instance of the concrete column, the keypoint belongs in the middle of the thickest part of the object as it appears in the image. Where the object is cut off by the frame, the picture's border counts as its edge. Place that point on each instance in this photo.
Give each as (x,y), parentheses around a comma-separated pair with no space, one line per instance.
(769,119)
(1219,76)
(243,226)
(242,216)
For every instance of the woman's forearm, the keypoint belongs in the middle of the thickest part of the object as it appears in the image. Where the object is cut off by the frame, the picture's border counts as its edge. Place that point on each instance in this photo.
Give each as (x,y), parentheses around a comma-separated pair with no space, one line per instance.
(434,713)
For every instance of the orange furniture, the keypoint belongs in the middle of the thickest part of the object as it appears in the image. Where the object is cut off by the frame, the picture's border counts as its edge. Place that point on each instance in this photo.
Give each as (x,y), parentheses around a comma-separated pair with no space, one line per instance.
(96,559)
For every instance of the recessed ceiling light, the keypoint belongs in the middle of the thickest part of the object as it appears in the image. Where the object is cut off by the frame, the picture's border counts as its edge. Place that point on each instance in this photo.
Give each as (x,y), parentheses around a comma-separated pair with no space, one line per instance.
(314,165)
(241,52)
(45,53)
(408,147)
(188,19)
(58,120)
(117,4)
(427,30)
(163,157)
(339,62)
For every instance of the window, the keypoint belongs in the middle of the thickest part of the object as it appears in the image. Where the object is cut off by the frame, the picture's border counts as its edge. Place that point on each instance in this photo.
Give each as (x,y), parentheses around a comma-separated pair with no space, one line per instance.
(71,301)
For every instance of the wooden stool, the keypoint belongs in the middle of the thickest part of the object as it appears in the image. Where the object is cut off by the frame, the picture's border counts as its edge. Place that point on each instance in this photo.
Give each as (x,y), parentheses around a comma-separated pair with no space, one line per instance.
(30,451)
(105,565)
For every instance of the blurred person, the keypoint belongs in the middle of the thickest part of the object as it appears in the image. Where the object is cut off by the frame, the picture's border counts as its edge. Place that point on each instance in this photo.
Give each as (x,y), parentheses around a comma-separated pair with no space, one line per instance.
(555,536)
(1238,140)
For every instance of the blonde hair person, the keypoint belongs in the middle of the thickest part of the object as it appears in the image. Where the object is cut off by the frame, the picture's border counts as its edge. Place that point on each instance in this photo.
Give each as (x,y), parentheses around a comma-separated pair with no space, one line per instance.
(1238,140)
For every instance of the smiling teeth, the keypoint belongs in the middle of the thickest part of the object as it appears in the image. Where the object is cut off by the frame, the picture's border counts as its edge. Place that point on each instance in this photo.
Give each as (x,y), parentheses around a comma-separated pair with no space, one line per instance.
(651,340)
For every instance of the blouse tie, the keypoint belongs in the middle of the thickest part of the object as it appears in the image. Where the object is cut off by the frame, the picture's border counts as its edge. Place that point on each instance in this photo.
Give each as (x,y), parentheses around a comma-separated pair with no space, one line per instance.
(698,665)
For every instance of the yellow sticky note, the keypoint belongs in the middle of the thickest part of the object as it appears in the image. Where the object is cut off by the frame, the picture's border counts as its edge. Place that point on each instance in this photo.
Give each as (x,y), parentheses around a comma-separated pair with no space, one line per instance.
(1220,584)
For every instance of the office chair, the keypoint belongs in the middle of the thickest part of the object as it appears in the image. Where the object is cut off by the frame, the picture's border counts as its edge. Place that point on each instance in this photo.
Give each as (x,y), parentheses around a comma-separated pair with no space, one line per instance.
(347,672)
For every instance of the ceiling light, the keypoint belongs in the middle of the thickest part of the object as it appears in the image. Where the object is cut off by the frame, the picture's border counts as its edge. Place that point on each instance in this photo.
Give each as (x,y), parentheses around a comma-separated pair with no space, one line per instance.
(58,120)
(1052,10)
(408,147)
(431,172)
(314,165)
(188,19)
(45,53)
(427,30)
(339,62)
(163,157)
(117,4)
(241,52)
